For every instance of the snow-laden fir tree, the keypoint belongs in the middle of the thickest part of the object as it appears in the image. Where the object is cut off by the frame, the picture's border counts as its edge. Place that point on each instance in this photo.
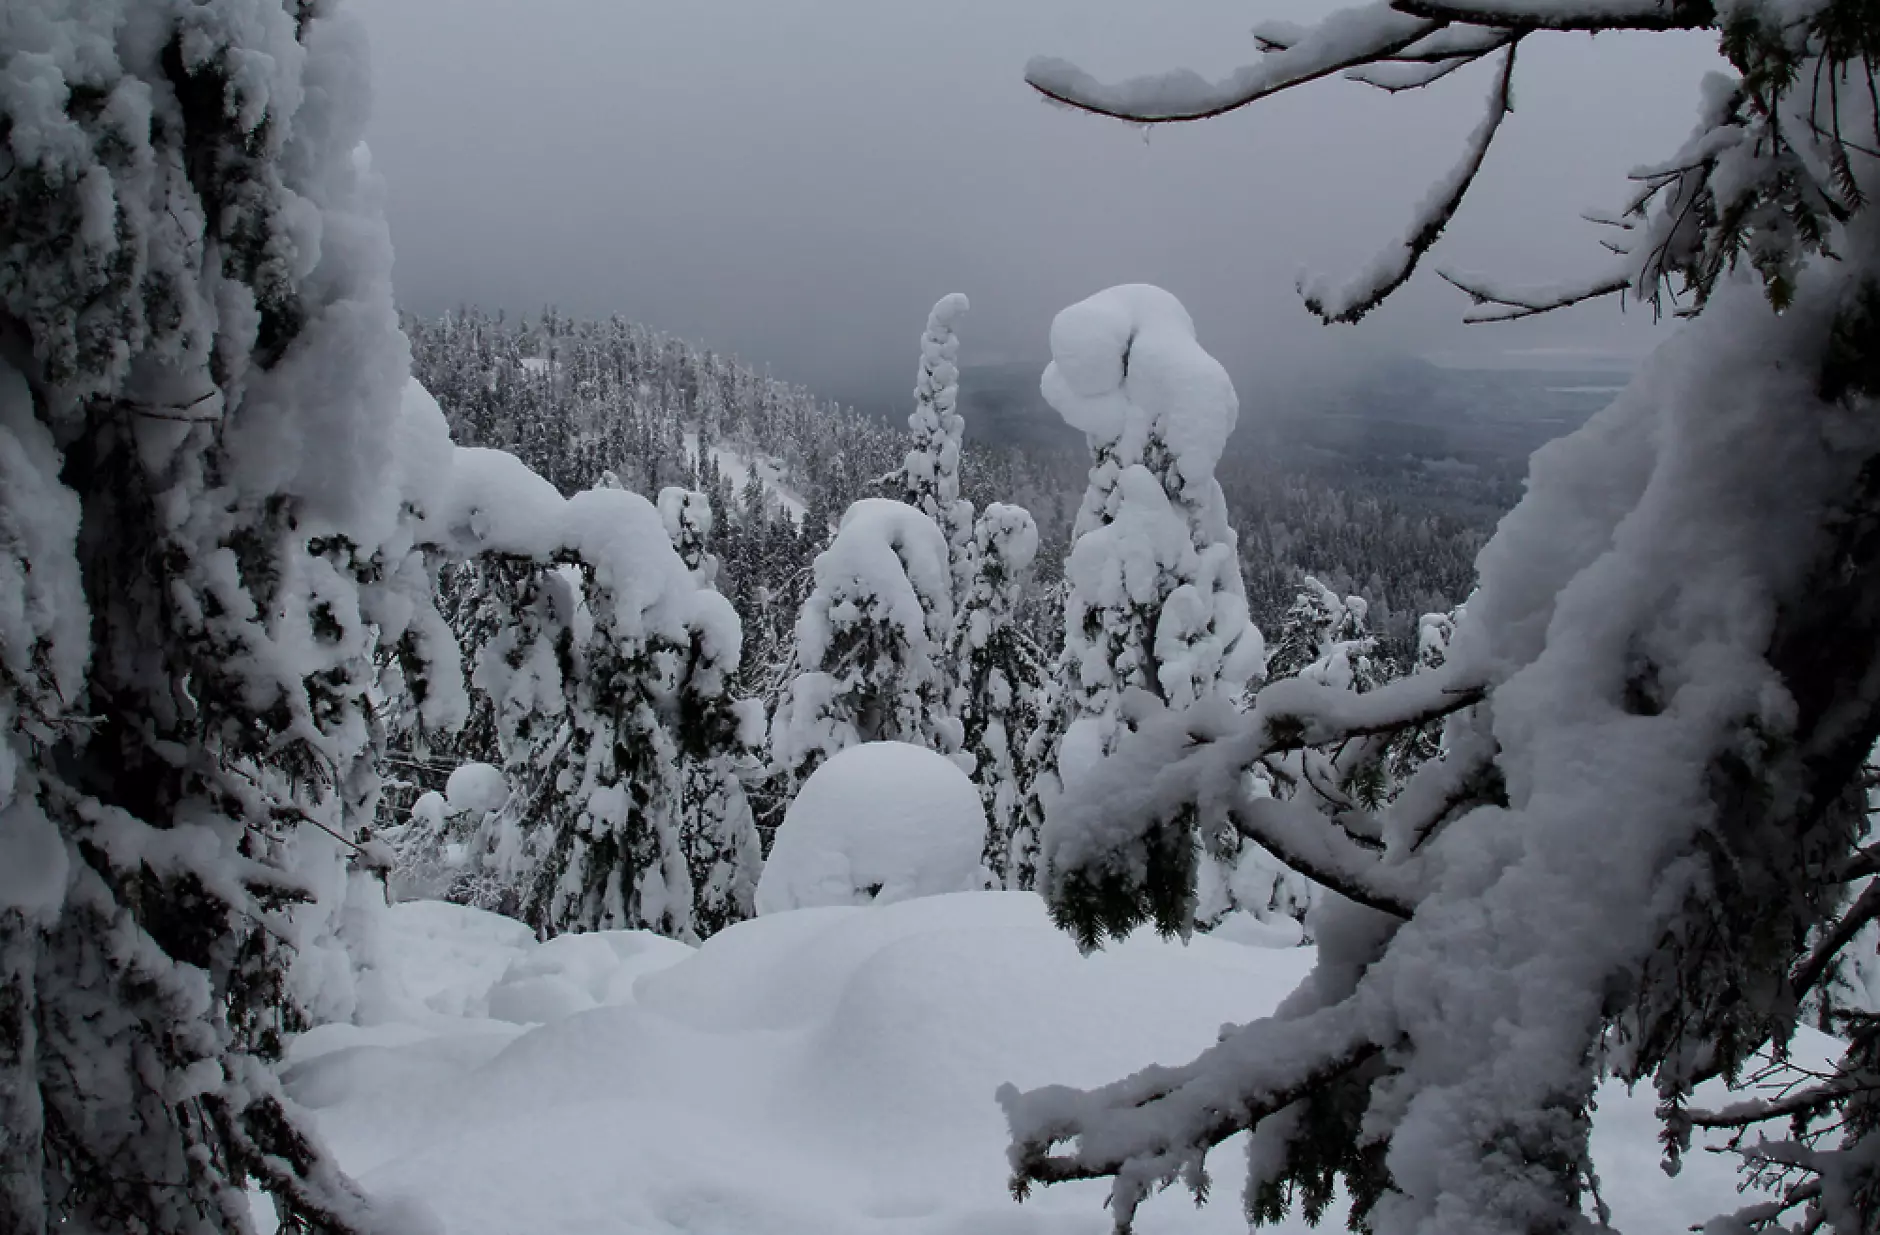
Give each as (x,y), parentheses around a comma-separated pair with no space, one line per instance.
(616,667)
(687,517)
(1155,606)
(1638,854)
(1327,639)
(931,471)
(870,643)
(207,516)
(717,832)
(999,677)
(1412,747)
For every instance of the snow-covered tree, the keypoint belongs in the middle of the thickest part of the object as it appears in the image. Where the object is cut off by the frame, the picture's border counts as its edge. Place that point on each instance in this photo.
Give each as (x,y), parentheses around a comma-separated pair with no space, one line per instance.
(931,471)
(616,666)
(1155,605)
(208,503)
(870,643)
(999,677)
(1637,855)
(717,831)
(1326,639)
(687,516)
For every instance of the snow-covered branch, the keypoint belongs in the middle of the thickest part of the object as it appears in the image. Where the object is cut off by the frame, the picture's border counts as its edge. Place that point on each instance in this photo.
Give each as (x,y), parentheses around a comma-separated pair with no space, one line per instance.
(1299,836)
(1151,1128)
(1393,268)
(1588,15)
(1342,41)
(1821,959)
(1511,304)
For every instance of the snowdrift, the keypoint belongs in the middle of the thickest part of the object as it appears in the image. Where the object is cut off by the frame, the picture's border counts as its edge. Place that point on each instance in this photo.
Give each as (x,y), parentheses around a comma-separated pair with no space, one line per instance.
(822,1071)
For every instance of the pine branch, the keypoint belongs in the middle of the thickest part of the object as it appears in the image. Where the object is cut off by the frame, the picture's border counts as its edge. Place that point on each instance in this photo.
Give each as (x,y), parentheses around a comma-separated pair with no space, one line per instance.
(1145,1129)
(1809,1101)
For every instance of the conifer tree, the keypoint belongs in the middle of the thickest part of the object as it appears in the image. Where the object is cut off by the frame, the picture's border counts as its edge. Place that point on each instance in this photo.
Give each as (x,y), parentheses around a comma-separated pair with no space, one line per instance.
(717,831)
(931,471)
(1155,603)
(1000,676)
(870,643)
(618,664)
(1637,855)
(207,516)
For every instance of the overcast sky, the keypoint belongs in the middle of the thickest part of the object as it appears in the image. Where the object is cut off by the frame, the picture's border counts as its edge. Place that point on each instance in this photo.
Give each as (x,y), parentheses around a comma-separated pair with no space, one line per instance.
(797,182)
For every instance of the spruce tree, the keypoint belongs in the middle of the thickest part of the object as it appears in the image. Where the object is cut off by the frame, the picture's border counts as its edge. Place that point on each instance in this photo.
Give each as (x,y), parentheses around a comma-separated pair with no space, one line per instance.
(870,643)
(1000,676)
(207,520)
(717,830)
(930,474)
(1638,854)
(1155,605)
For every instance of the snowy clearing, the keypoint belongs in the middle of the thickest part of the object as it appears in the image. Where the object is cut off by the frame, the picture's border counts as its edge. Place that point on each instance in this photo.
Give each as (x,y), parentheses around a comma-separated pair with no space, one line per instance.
(824,1070)
(738,468)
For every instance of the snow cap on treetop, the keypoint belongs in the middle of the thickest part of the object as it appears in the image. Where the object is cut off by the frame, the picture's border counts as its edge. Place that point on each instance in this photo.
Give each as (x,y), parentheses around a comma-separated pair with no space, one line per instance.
(947,310)
(1125,362)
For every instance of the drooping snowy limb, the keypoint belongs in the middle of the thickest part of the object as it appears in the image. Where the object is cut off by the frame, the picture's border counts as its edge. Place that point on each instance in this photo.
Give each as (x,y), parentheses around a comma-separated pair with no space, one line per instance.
(1391,269)
(1511,304)
(1152,1128)
(1106,841)
(1816,964)
(1583,15)
(1752,187)
(1344,40)
(1298,836)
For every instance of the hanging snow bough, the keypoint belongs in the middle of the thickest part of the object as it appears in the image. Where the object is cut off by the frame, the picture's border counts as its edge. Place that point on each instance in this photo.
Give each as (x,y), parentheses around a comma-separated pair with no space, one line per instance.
(1636,858)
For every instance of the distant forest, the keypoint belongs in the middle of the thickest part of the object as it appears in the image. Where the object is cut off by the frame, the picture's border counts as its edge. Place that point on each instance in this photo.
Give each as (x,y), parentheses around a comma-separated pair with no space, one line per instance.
(1382,482)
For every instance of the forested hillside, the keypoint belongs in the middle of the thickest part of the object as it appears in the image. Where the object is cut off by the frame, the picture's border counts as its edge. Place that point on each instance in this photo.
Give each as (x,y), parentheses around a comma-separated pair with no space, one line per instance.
(1398,524)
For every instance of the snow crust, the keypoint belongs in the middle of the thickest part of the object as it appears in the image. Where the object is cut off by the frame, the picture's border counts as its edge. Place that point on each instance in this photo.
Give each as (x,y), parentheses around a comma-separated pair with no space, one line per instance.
(822,1072)
(878,823)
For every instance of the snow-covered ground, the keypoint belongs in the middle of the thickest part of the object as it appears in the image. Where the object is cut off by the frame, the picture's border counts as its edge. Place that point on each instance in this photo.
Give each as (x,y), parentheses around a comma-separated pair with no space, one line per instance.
(820,1071)
(738,466)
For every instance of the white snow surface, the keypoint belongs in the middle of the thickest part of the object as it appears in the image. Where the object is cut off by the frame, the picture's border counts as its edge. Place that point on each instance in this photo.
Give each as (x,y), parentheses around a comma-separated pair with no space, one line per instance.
(880,822)
(739,465)
(822,1072)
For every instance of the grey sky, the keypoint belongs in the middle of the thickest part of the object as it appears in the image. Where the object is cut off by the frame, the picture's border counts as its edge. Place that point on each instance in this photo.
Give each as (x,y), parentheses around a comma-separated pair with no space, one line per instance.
(798,182)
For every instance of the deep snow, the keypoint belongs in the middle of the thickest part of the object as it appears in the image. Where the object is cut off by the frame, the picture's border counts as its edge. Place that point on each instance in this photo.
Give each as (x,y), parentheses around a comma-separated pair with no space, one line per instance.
(821,1071)
(878,823)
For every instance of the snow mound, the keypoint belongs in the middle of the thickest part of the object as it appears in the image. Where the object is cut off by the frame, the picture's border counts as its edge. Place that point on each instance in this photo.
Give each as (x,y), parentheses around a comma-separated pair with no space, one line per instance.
(879,822)
(824,1072)
(572,973)
(475,788)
